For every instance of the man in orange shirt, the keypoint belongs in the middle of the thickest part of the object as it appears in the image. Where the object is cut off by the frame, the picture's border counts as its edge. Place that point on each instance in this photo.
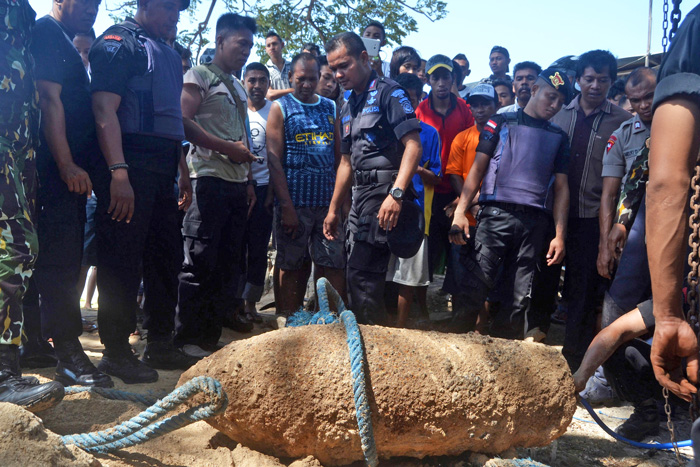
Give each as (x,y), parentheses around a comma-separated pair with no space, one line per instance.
(483,102)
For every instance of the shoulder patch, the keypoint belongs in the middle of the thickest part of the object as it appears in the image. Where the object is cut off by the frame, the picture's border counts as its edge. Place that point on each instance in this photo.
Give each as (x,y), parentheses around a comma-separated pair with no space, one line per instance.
(111,47)
(113,37)
(611,142)
(491,126)
(637,125)
(399,93)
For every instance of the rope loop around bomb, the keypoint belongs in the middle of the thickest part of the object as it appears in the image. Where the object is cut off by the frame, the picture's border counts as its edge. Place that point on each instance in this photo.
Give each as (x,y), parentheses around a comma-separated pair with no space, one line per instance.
(328,296)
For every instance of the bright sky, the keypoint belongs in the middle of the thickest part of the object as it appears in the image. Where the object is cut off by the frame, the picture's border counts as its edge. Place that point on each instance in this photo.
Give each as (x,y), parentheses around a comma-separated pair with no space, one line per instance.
(538,30)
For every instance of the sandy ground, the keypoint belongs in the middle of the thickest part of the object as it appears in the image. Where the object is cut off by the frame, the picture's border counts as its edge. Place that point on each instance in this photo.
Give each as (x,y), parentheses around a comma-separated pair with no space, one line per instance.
(199,445)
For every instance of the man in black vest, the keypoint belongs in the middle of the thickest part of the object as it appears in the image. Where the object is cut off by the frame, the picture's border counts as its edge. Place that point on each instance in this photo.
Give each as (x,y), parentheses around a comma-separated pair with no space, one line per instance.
(136,88)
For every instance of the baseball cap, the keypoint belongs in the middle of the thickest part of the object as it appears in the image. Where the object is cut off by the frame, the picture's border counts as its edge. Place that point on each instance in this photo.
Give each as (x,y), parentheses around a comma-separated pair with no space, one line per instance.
(406,237)
(483,90)
(437,61)
(185,4)
(500,50)
(559,80)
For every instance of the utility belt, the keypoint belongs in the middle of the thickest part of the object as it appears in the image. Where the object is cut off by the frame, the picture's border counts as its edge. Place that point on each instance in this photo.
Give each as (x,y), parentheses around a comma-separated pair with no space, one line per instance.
(512,207)
(374,177)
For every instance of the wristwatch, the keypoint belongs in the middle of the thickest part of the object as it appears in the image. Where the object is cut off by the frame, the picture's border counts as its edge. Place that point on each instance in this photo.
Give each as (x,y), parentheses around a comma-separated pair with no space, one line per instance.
(252,183)
(396,193)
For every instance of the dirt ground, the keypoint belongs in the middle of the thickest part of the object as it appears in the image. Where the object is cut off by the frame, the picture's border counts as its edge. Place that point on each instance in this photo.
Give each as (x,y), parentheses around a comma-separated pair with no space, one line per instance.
(200,445)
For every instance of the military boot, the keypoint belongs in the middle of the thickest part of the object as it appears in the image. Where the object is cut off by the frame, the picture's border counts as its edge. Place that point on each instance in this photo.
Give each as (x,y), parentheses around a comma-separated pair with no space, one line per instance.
(25,392)
(643,422)
(75,368)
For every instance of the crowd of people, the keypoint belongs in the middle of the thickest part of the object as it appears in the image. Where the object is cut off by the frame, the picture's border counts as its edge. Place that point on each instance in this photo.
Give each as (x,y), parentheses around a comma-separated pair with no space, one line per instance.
(175,177)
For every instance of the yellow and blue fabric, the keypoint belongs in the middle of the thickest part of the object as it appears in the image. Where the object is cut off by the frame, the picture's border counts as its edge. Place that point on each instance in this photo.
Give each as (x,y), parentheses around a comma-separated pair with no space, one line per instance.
(430,140)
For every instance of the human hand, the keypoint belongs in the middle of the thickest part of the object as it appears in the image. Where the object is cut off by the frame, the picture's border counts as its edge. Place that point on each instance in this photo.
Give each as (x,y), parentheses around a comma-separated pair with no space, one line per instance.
(76,178)
(251,198)
(459,232)
(556,252)
(617,238)
(389,213)
(674,340)
(330,225)
(290,220)
(605,262)
(450,207)
(184,185)
(121,205)
(237,151)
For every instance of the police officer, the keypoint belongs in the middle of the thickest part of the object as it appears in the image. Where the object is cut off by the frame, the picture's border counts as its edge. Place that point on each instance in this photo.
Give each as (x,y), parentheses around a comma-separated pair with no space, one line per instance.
(19,121)
(68,149)
(136,87)
(380,147)
(631,284)
(520,170)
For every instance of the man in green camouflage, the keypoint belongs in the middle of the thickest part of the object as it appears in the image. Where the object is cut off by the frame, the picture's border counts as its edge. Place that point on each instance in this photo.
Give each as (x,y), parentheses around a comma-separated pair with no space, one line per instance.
(19,118)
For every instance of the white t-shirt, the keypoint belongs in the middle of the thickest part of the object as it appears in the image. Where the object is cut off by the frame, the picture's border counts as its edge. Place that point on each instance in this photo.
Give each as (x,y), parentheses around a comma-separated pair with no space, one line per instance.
(258,124)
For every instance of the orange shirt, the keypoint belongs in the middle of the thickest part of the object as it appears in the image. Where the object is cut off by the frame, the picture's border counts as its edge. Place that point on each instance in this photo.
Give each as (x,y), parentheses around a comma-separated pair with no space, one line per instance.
(462,155)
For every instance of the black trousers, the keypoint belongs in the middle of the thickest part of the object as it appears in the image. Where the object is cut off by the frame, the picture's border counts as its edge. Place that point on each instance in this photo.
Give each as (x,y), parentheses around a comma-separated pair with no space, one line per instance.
(368,255)
(151,243)
(510,236)
(440,225)
(255,243)
(629,372)
(632,282)
(60,229)
(584,284)
(213,233)
(545,285)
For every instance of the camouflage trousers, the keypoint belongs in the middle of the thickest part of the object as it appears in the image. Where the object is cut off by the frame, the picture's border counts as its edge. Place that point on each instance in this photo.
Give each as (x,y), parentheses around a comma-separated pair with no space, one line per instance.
(19,119)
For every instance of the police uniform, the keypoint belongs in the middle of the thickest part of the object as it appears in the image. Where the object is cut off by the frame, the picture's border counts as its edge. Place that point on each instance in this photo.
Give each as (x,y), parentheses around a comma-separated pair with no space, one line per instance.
(147,74)
(517,198)
(372,125)
(632,283)
(19,122)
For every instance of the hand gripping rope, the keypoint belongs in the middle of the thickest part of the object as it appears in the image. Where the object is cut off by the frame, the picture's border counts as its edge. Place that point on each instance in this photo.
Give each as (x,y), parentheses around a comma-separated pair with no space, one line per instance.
(145,425)
(326,293)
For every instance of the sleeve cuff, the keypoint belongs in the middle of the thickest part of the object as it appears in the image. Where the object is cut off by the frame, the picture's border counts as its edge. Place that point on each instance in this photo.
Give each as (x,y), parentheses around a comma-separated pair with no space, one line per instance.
(407,126)
(687,84)
(613,171)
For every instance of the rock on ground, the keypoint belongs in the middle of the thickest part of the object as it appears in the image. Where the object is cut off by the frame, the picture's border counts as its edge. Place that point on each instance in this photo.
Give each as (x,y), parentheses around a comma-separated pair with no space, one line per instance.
(290,393)
(24,441)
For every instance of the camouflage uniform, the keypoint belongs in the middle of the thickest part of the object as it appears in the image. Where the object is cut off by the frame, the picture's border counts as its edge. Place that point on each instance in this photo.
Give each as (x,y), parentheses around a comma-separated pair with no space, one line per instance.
(19,119)
(634,188)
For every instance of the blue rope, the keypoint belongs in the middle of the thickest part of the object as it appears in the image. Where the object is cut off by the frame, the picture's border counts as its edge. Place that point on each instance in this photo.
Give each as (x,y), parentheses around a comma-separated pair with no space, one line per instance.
(519,463)
(144,426)
(326,295)
(680,444)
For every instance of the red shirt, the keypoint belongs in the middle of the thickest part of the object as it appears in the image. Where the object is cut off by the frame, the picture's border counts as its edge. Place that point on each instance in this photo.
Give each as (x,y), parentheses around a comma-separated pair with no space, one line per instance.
(458,119)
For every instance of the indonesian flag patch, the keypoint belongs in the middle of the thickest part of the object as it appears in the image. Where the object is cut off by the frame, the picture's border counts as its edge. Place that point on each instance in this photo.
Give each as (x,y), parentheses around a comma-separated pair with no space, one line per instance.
(611,142)
(490,126)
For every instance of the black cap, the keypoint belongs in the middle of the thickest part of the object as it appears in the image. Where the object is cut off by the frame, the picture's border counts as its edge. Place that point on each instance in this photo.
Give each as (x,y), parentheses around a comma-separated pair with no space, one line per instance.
(406,237)
(500,50)
(559,80)
(438,61)
(184,4)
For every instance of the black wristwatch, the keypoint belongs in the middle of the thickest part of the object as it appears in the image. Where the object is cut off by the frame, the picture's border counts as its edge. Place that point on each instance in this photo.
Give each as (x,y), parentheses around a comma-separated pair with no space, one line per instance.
(252,183)
(396,193)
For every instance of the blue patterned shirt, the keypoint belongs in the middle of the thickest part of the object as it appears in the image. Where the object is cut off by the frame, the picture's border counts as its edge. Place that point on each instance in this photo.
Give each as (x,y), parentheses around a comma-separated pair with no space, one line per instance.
(309,153)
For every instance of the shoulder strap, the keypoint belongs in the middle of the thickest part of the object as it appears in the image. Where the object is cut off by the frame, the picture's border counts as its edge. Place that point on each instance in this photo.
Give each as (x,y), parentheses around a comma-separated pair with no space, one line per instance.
(242,108)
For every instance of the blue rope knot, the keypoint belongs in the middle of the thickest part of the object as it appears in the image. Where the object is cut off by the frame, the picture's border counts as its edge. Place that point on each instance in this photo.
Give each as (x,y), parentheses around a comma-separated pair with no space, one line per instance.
(326,295)
(145,425)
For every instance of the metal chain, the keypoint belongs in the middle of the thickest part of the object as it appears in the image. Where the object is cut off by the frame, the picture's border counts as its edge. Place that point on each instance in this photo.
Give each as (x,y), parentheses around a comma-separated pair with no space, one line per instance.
(671,429)
(675,18)
(664,38)
(694,308)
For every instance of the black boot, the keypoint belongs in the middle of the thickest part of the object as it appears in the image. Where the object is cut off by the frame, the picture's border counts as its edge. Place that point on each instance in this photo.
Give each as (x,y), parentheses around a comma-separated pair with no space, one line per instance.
(25,392)
(37,353)
(75,368)
(121,362)
(643,422)
(165,356)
